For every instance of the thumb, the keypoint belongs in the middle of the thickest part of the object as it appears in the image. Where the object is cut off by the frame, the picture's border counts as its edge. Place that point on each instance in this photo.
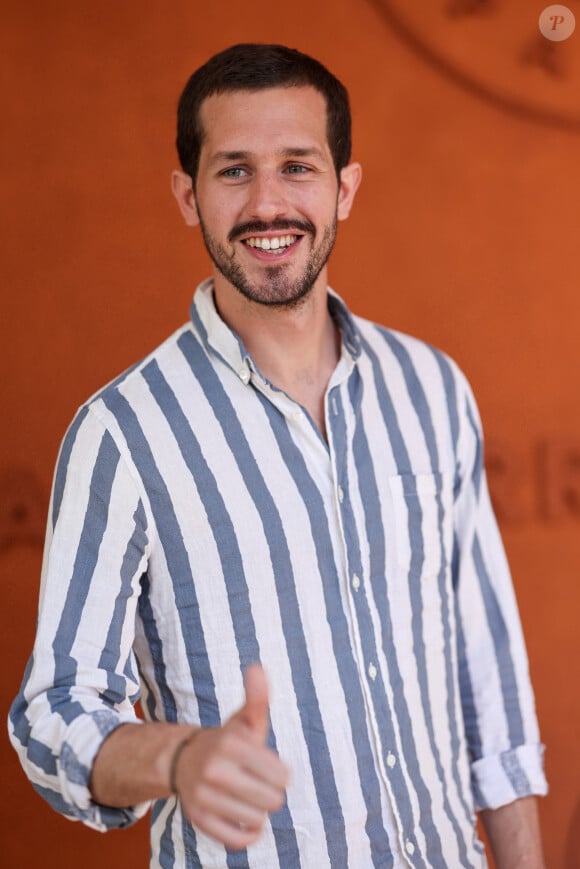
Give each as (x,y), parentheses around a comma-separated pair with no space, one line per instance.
(254,713)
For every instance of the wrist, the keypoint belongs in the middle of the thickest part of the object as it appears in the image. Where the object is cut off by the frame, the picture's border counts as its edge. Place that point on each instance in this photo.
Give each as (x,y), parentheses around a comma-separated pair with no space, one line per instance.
(176,758)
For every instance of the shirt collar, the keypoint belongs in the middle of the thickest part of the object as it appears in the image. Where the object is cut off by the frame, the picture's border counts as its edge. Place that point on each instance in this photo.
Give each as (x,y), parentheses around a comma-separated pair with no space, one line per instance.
(351,339)
(219,339)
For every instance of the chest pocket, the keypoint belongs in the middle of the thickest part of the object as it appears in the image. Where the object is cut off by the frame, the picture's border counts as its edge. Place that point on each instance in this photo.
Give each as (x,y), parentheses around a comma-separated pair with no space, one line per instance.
(422,524)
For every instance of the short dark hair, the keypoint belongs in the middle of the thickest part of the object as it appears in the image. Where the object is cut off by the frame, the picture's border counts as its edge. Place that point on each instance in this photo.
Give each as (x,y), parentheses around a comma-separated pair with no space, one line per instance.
(254,66)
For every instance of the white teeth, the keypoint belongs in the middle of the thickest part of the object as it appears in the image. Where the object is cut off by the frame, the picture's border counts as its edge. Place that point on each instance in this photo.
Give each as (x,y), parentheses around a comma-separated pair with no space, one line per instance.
(276,243)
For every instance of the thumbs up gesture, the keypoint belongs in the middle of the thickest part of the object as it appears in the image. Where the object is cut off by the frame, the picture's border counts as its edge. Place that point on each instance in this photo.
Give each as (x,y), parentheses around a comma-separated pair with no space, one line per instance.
(228,780)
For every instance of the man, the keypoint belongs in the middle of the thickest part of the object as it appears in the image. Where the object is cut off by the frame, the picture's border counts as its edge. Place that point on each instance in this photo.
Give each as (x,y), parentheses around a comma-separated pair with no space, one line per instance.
(280,488)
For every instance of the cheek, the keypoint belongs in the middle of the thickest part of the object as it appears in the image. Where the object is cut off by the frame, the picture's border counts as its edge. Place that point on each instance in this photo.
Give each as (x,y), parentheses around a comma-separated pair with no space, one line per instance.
(321,206)
(219,209)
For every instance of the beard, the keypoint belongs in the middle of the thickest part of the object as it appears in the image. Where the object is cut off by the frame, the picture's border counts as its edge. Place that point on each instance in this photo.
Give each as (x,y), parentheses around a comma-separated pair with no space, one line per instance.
(278,288)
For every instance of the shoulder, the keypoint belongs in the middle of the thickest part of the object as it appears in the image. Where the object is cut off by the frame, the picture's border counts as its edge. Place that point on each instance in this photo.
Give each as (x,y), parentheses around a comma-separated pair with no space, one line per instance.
(114,426)
(132,382)
(391,349)
(124,399)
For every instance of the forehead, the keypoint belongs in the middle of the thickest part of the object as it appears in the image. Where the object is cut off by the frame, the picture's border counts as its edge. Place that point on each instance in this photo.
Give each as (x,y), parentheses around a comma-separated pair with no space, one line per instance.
(255,121)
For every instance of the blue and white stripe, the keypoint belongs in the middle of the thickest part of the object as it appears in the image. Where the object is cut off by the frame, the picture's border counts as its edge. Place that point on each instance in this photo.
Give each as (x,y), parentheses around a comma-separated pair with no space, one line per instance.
(199,522)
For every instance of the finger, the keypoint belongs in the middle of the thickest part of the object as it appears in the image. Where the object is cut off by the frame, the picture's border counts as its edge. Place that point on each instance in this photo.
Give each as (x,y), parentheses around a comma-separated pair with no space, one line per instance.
(230,808)
(267,767)
(257,777)
(231,835)
(255,711)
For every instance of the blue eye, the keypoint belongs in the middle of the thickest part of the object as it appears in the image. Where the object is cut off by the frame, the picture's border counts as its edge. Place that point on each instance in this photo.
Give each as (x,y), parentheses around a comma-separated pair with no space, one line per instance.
(297,169)
(234,172)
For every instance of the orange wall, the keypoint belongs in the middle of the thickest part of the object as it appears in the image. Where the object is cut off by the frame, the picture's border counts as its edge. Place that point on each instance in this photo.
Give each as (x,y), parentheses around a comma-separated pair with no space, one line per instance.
(464,233)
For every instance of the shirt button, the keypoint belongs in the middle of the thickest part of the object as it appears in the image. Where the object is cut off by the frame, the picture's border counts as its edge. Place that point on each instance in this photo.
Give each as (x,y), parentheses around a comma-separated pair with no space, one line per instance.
(391,760)
(340,494)
(409,847)
(372,672)
(297,416)
(244,375)
(356,582)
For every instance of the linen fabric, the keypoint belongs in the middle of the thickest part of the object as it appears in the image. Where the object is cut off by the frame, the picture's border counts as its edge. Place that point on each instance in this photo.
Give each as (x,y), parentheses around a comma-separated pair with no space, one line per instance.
(200,522)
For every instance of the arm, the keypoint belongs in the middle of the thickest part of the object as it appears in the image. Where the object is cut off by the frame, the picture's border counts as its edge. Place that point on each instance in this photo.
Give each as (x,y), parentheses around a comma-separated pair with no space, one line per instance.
(81,681)
(514,835)
(226,777)
(496,694)
(73,722)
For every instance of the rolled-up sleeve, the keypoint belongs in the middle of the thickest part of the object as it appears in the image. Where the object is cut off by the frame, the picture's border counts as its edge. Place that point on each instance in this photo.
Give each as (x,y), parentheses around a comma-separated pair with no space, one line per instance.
(81,681)
(497,697)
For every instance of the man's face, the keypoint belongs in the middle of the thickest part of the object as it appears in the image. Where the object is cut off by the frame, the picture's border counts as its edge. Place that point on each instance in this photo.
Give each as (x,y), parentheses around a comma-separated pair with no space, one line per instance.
(266,192)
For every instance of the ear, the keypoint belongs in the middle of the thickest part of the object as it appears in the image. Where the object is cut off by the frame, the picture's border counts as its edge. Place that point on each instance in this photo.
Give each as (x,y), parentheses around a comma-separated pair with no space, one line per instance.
(182,188)
(350,178)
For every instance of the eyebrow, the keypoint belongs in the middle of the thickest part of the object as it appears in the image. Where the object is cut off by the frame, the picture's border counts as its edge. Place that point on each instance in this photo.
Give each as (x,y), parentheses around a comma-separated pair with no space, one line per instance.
(227,156)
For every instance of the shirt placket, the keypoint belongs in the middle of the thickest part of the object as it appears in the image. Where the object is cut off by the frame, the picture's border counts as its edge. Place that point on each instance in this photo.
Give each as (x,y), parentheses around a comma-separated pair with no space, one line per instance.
(357,591)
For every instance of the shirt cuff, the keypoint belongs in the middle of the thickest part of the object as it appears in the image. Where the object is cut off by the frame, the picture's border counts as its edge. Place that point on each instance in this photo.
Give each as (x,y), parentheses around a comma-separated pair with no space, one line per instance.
(83,739)
(508,776)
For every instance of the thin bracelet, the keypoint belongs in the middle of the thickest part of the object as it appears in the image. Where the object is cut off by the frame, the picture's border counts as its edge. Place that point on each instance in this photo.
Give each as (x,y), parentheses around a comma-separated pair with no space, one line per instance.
(175,759)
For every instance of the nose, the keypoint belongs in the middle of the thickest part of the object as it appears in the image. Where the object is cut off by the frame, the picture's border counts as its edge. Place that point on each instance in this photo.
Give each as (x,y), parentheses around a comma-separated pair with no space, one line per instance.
(267,196)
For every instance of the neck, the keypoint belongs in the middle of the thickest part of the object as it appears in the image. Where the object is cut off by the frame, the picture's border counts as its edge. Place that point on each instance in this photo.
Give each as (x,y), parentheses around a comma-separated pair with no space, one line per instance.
(296,348)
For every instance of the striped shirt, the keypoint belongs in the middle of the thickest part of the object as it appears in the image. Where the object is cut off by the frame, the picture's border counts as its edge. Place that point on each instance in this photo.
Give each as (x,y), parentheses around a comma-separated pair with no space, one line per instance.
(200,522)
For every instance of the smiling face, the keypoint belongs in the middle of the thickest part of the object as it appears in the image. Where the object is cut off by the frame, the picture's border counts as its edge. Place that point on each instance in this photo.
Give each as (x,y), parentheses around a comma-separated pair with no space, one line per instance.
(266,194)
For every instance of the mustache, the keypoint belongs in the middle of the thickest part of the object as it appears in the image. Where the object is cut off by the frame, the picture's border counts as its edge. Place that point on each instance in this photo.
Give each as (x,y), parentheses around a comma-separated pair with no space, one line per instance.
(275,225)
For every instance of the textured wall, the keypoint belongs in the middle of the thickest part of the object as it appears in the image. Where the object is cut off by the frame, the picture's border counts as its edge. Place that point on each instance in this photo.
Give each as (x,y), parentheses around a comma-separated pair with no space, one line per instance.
(464,233)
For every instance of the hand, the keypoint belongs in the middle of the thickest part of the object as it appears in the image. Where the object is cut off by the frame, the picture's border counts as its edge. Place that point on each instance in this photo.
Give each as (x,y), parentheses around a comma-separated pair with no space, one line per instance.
(227,779)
